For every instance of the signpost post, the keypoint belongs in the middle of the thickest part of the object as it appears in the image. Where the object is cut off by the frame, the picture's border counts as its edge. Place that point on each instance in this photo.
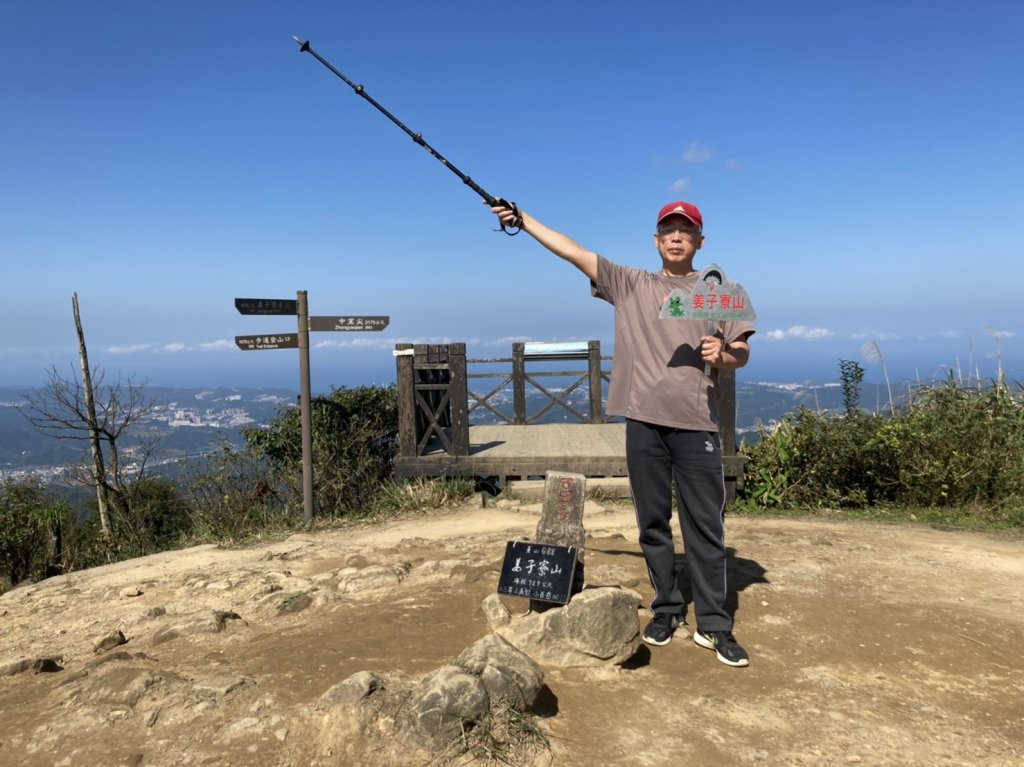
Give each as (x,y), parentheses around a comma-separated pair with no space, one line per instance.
(305,408)
(300,340)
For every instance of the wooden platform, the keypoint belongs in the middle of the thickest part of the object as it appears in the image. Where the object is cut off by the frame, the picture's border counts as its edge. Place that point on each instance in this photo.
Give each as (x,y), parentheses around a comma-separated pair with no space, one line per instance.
(518,452)
(435,438)
(511,452)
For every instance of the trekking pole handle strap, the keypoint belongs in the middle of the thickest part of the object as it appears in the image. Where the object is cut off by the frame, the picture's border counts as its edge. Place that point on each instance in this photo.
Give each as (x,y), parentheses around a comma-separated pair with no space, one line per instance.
(517,222)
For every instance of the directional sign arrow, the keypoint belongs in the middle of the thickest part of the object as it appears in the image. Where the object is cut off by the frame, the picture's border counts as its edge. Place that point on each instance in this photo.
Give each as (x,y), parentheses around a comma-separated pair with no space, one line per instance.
(257,343)
(267,305)
(349,323)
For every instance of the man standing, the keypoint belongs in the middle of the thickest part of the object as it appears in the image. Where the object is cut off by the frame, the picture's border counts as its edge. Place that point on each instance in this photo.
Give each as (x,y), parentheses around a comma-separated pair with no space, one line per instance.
(659,386)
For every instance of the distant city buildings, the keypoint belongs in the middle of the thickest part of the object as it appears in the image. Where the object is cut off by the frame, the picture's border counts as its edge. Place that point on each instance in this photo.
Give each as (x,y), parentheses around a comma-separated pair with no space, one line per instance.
(215,416)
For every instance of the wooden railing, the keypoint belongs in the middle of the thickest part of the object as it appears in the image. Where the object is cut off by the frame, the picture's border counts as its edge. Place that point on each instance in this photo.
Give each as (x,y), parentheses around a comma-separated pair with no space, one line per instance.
(432,398)
(520,379)
(435,401)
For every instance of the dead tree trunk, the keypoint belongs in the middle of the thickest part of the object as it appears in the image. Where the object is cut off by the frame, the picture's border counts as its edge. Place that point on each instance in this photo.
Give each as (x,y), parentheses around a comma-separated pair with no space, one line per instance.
(93,424)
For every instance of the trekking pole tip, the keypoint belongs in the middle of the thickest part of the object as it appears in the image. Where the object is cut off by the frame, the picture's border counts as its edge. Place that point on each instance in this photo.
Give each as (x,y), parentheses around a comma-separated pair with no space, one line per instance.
(303,44)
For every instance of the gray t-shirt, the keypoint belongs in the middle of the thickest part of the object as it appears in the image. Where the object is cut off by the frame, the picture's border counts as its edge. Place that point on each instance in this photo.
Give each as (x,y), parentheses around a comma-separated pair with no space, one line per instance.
(658,374)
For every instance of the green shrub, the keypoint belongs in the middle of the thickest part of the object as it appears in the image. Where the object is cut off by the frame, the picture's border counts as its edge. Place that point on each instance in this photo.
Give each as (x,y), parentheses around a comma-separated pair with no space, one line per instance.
(355,438)
(960,445)
(234,494)
(819,459)
(159,515)
(948,447)
(32,523)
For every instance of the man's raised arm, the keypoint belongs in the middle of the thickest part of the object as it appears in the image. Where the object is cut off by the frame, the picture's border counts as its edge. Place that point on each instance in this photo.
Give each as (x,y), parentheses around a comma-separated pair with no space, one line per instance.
(559,244)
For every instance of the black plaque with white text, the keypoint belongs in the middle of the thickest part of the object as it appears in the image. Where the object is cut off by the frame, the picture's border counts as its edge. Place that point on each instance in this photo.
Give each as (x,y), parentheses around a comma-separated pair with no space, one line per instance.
(538,571)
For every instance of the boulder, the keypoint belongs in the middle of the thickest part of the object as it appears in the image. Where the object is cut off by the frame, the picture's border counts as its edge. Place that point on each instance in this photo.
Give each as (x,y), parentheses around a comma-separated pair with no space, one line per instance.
(446,702)
(598,626)
(507,673)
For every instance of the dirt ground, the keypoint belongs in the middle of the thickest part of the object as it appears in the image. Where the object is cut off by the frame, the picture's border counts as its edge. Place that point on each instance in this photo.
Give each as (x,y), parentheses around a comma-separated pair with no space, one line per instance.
(870,644)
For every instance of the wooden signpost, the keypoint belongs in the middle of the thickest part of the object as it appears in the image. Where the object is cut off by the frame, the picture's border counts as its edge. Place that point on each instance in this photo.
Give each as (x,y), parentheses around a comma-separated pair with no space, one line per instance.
(300,341)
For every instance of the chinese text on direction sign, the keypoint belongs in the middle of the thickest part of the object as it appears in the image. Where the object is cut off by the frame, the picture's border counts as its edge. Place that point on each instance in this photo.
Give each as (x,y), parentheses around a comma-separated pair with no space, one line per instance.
(348,323)
(256,343)
(267,305)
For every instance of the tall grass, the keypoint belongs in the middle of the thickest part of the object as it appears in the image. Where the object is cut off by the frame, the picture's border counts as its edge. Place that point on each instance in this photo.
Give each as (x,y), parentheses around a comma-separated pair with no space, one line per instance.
(954,449)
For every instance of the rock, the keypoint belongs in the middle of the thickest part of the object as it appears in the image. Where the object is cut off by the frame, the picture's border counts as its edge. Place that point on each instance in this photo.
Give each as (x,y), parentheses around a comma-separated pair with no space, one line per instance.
(598,626)
(295,603)
(495,611)
(210,622)
(221,687)
(353,690)
(47,665)
(352,579)
(109,642)
(120,655)
(447,700)
(119,685)
(38,665)
(130,591)
(507,673)
(357,560)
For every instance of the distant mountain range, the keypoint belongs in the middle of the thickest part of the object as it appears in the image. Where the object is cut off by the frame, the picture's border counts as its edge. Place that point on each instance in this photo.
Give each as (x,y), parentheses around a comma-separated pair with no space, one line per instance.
(192,422)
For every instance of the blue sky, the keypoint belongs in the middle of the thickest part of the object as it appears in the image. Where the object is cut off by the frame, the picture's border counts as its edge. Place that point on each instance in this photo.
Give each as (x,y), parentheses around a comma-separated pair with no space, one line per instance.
(858,166)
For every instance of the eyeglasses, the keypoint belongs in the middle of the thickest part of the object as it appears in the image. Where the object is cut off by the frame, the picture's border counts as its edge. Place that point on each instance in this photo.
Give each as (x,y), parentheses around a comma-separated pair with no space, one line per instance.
(687,230)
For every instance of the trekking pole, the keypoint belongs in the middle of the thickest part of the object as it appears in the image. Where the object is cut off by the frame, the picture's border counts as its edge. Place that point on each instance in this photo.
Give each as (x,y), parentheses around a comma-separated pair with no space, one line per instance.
(497,202)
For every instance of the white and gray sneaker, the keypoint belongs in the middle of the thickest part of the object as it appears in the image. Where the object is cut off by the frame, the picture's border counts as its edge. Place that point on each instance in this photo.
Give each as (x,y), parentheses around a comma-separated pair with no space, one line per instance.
(725,646)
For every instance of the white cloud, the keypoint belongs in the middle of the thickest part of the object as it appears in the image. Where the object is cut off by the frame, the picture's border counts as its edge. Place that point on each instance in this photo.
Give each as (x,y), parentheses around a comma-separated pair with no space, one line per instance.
(131,349)
(679,185)
(219,345)
(357,340)
(875,335)
(354,341)
(506,341)
(798,333)
(172,347)
(422,340)
(697,153)
(1002,333)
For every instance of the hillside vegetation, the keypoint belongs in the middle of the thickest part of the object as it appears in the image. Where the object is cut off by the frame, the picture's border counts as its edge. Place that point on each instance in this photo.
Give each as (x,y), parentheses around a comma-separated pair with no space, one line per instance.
(950,453)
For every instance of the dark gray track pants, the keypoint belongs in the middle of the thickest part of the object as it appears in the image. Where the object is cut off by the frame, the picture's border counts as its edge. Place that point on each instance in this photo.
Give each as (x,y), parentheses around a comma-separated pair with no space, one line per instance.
(655,455)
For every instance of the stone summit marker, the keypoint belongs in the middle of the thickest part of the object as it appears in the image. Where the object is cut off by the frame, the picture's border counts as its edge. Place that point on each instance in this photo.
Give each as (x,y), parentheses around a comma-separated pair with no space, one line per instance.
(557,548)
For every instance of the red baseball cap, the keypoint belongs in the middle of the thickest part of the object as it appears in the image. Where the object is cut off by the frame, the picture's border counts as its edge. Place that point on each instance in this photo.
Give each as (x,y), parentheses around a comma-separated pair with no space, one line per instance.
(680,208)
